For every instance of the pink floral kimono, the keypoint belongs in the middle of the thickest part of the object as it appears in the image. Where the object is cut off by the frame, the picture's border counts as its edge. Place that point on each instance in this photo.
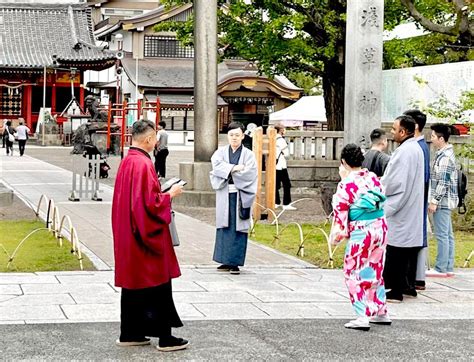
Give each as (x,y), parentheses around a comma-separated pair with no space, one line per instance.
(359,217)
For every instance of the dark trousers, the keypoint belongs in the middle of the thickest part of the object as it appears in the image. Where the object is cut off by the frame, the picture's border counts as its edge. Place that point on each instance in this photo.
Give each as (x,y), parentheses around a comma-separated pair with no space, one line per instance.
(400,268)
(9,146)
(160,162)
(148,312)
(4,141)
(21,146)
(282,177)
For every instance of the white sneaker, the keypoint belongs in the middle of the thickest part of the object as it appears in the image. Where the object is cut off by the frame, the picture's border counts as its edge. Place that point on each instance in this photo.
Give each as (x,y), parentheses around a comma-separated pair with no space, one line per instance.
(289,207)
(436,274)
(361,324)
(381,319)
(277,206)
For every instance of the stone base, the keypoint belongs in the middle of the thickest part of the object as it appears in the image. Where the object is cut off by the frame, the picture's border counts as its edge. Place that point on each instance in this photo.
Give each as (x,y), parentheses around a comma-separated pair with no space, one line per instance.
(50,140)
(312,175)
(198,191)
(195,198)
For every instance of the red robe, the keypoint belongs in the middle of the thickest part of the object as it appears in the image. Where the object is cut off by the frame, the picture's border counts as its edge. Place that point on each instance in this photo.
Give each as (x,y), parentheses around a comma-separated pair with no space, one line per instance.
(144,253)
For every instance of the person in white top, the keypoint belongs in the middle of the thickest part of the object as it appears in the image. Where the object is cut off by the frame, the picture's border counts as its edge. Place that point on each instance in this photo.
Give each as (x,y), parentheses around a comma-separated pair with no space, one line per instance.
(22,136)
(282,177)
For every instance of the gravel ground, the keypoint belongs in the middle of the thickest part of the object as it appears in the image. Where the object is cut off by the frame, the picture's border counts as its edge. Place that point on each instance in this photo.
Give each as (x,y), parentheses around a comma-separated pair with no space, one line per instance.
(309,208)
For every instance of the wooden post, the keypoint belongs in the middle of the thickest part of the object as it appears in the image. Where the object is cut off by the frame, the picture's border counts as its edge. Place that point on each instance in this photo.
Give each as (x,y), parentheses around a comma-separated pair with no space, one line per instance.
(257,143)
(270,170)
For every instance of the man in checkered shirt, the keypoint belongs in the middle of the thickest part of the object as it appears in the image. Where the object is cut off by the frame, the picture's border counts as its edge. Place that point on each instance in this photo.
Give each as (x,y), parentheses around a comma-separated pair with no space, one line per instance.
(443,198)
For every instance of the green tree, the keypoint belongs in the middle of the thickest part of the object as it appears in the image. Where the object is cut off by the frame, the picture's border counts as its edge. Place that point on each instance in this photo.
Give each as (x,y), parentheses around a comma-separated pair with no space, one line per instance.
(299,37)
(449,32)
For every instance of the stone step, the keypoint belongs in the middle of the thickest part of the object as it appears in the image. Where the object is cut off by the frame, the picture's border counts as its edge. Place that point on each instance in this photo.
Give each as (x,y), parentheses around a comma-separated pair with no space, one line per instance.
(196,199)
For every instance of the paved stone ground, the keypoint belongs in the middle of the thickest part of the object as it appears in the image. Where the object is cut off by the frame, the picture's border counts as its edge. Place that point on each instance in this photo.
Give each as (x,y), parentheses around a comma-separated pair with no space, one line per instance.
(256,340)
(203,293)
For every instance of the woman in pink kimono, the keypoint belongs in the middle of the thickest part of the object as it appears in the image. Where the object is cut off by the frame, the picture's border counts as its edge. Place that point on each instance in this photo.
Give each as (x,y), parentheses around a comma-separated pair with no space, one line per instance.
(359,218)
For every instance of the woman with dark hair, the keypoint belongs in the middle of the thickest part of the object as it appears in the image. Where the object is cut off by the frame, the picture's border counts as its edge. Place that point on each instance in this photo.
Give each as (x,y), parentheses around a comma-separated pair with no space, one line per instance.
(9,134)
(234,177)
(359,218)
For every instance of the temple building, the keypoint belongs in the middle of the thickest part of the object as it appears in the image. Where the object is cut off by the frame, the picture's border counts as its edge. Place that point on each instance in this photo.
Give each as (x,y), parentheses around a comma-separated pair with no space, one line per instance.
(44,51)
(156,65)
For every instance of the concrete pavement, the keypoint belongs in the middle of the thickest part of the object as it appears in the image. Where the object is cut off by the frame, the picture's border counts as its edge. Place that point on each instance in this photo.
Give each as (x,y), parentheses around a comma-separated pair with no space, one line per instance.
(250,340)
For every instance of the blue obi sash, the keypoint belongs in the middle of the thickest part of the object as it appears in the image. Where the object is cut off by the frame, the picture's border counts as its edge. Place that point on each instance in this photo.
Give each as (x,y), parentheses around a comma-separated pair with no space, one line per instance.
(368,207)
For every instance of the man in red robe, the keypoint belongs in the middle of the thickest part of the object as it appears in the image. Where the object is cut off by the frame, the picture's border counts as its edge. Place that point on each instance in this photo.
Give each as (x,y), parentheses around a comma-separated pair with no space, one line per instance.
(145,261)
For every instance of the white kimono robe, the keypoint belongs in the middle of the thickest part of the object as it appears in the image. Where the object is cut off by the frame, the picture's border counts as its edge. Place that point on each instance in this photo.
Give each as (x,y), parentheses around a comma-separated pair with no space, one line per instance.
(245,181)
(404,187)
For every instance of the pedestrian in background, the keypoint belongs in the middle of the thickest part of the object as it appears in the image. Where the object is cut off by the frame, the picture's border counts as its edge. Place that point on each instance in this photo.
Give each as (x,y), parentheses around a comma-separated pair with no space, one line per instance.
(403,180)
(443,199)
(234,177)
(2,132)
(420,267)
(161,150)
(359,218)
(22,136)
(376,160)
(145,261)
(282,177)
(9,135)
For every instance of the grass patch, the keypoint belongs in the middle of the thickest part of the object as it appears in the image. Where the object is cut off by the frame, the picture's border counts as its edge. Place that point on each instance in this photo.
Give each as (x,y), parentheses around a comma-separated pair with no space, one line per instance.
(316,248)
(40,252)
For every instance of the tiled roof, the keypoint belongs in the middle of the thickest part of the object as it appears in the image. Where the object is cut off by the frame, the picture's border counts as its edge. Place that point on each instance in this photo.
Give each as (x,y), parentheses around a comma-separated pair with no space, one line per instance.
(30,35)
(171,73)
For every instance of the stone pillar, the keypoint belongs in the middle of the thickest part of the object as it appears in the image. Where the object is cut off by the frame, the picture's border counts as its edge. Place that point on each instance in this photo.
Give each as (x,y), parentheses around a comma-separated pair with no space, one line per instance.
(363,70)
(199,192)
(205,79)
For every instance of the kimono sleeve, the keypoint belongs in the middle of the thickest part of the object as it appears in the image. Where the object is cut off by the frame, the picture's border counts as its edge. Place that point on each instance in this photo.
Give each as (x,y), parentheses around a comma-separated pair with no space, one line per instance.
(151,209)
(221,170)
(340,224)
(395,180)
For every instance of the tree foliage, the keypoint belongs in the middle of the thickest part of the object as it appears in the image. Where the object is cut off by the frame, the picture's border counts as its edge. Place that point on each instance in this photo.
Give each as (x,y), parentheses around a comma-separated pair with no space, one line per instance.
(305,39)
(449,38)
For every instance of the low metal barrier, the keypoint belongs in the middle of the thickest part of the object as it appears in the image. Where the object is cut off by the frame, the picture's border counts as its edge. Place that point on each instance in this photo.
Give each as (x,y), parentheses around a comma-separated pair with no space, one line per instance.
(85,177)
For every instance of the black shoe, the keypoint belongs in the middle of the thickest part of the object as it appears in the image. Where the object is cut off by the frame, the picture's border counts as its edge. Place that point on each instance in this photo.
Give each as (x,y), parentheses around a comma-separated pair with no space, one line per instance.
(224,267)
(234,270)
(393,297)
(410,293)
(169,344)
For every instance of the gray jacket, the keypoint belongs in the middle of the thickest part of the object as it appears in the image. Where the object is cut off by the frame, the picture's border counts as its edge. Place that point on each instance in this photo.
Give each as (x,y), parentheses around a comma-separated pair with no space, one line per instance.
(245,181)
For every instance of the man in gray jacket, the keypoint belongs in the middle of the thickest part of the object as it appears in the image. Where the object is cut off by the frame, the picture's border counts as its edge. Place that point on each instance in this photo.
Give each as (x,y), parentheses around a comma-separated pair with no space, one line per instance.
(404,181)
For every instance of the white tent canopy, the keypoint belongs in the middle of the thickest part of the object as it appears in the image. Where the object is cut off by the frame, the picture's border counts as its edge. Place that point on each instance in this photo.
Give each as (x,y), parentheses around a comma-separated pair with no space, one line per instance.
(309,109)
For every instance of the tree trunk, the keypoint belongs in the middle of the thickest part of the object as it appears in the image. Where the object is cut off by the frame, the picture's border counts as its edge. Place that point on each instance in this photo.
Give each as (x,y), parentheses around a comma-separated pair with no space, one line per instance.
(333,87)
